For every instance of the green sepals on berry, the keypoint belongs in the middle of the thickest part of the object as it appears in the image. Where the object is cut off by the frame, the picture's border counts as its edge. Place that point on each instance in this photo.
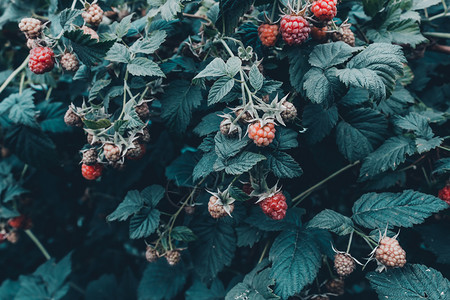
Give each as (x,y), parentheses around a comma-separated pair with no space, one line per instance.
(228,126)
(221,203)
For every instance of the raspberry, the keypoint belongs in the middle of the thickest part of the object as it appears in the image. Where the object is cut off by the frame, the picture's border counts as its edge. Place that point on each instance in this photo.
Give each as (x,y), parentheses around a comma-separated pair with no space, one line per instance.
(3,237)
(91,32)
(31,43)
(112,152)
(151,254)
(335,286)
(294,29)
(389,253)
(90,140)
(72,119)
(173,257)
(20,222)
(137,152)
(13,236)
(91,172)
(144,136)
(89,157)
(189,209)
(246,117)
(261,135)
(290,112)
(93,15)
(319,34)
(216,209)
(345,35)
(225,128)
(247,188)
(143,111)
(42,60)
(444,194)
(344,264)
(31,27)
(324,10)
(275,207)
(268,34)
(69,62)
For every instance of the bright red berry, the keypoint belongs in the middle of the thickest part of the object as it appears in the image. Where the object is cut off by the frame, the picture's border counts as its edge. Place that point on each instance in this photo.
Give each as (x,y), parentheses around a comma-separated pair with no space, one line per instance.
(444,194)
(262,135)
(20,222)
(294,29)
(42,60)
(324,10)
(275,207)
(268,34)
(91,172)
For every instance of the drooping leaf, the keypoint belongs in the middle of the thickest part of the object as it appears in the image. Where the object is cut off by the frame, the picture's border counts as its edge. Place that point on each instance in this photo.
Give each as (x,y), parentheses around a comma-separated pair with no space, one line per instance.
(332,221)
(144,223)
(319,121)
(283,165)
(230,13)
(132,203)
(183,233)
(410,282)
(205,166)
(405,209)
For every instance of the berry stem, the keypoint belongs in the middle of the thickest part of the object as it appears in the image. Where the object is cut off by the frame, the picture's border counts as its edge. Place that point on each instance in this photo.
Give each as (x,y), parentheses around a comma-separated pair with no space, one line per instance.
(272,15)
(14,74)
(350,242)
(366,238)
(38,243)
(444,148)
(306,193)
(443,35)
(124,95)
(264,252)
(22,80)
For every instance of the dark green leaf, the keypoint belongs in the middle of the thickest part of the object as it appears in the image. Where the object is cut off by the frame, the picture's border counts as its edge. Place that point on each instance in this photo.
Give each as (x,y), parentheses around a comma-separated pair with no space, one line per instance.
(283,165)
(227,147)
(319,121)
(199,291)
(209,124)
(118,53)
(141,66)
(183,233)
(332,221)
(220,89)
(239,164)
(144,223)
(331,54)
(87,49)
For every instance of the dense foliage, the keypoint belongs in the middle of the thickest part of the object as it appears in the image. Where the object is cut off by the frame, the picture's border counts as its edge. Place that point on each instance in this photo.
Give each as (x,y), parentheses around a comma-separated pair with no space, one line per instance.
(224,149)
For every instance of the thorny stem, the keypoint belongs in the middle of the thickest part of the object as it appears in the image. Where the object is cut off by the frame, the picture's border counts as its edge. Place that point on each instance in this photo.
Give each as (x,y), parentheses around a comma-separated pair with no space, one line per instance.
(38,243)
(14,74)
(264,252)
(304,194)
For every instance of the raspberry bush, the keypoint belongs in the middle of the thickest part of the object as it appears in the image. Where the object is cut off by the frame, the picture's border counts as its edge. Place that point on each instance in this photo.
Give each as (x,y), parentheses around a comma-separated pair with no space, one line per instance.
(224,149)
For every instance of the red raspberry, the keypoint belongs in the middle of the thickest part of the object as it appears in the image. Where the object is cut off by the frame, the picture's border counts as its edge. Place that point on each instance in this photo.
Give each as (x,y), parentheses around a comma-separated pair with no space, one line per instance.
(389,253)
(112,152)
(444,194)
(69,62)
(93,15)
(91,172)
(275,207)
(319,34)
(91,32)
(216,209)
(324,10)
(294,29)
(262,135)
(268,34)
(42,59)
(20,222)
(344,264)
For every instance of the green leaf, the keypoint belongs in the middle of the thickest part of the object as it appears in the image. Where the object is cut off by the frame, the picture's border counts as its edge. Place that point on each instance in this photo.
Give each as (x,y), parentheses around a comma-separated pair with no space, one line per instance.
(199,291)
(238,194)
(215,68)
(317,86)
(405,209)
(389,156)
(88,50)
(375,69)
(99,124)
(371,7)
(152,194)
(332,54)
(132,203)
(209,124)
(97,87)
(180,170)
(183,233)
(220,89)
(144,223)
(332,221)
(256,78)
(285,139)
(248,235)
(7,213)
(416,123)
(425,145)
(205,166)
(226,148)
(178,102)
(319,121)
(170,9)
(355,97)
(233,66)
(421,4)
(255,286)
(141,66)
(397,102)
(230,13)
(69,16)
(410,282)
(361,132)
(161,281)
(442,166)
(214,248)
(298,67)
(123,27)
(20,108)
(296,259)
(239,164)
(149,44)
(118,53)
(283,165)
(51,117)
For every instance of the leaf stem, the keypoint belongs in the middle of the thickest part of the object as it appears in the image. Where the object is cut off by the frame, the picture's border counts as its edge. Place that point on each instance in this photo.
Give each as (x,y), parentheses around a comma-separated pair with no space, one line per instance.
(124,94)
(304,194)
(444,148)
(38,244)
(14,74)
(442,35)
(264,252)
(350,242)
(73,4)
